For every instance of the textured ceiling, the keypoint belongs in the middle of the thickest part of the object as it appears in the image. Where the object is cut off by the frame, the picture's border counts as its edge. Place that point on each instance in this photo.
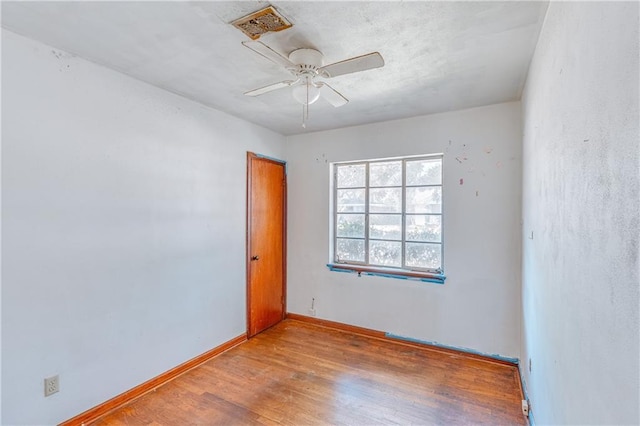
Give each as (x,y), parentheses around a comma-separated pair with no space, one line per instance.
(439,56)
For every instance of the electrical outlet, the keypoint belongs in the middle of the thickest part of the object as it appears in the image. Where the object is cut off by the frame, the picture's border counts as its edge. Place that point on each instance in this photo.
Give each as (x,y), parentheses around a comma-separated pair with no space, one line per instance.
(525,407)
(312,309)
(51,385)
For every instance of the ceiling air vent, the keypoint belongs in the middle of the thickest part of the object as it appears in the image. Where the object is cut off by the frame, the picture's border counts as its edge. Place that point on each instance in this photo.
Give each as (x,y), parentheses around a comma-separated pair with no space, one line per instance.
(262,21)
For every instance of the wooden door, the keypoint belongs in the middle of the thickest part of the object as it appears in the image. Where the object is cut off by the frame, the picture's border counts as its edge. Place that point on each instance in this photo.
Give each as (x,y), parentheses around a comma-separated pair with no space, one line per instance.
(266,242)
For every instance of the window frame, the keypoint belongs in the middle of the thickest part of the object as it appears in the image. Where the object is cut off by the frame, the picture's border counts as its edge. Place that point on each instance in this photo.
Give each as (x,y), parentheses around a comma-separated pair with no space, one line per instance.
(402,271)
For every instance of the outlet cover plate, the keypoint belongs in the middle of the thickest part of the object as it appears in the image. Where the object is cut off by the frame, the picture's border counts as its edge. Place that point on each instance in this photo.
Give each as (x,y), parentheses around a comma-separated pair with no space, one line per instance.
(51,385)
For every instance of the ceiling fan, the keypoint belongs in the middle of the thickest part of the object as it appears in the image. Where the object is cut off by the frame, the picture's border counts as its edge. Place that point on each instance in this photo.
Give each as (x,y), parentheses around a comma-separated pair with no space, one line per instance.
(307,67)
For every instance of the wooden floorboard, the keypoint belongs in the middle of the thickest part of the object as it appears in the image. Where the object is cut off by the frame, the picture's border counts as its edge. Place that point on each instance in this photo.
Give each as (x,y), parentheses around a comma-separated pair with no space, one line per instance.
(301,374)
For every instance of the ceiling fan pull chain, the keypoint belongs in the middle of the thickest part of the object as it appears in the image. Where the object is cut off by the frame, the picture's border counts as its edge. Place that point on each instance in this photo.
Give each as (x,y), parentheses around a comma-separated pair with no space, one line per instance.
(304,121)
(305,107)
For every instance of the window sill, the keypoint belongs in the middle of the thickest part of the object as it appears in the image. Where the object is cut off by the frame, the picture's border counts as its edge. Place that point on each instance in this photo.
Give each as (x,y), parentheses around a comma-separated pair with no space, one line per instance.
(388,273)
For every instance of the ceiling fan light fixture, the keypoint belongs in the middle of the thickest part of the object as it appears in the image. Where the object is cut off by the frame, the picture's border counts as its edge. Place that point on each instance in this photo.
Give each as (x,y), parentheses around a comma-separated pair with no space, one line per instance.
(306,93)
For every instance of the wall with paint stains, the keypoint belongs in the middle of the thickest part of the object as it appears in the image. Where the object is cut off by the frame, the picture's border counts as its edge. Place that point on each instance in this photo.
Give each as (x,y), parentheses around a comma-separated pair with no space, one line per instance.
(479,305)
(581,207)
(123,216)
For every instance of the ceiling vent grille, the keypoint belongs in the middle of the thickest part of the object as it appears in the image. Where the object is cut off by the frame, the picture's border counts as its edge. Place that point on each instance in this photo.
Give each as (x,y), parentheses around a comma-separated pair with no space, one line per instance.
(262,21)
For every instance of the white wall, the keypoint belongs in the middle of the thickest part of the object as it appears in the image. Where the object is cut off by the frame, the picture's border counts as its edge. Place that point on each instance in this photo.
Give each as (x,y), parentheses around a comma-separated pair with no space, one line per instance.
(124,229)
(0,231)
(479,305)
(581,200)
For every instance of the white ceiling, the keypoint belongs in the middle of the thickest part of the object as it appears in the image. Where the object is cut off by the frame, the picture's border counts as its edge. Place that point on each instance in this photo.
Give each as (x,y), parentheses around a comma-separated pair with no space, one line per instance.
(440,56)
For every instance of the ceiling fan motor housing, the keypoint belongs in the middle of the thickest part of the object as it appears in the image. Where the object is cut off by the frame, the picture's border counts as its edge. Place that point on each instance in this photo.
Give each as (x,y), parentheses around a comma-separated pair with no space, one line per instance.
(307,60)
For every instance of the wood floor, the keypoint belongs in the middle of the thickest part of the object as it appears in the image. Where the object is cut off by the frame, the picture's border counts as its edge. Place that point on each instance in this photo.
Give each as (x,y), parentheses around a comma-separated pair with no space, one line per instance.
(302,374)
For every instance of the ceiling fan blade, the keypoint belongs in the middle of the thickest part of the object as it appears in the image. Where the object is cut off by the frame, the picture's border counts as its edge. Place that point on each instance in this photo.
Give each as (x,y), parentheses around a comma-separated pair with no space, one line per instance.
(332,96)
(271,87)
(359,63)
(264,50)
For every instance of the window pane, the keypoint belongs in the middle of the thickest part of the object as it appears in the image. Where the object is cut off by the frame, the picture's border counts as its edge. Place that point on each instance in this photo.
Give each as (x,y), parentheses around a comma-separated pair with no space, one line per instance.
(424,200)
(385,174)
(350,250)
(351,200)
(385,200)
(385,253)
(351,225)
(423,255)
(389,213)
(424,228)
(424,172)
(350,176)
(385,226)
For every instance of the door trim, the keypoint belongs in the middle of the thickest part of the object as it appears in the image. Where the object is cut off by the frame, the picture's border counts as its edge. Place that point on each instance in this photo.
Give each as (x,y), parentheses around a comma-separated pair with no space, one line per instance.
(251,156)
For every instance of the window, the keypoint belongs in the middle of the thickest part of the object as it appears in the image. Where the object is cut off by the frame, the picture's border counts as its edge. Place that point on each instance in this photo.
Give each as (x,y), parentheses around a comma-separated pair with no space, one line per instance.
(388,214)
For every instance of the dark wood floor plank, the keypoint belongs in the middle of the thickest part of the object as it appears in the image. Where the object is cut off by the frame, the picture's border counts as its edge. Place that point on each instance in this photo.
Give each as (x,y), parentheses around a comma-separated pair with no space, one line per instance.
(298,373)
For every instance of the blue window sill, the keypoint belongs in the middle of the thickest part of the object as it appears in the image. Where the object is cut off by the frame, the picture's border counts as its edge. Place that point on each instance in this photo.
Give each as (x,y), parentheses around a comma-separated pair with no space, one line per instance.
(388,273)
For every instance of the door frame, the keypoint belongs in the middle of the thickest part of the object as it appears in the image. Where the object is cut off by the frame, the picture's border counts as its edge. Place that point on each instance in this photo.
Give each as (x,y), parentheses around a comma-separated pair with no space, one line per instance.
(250,157)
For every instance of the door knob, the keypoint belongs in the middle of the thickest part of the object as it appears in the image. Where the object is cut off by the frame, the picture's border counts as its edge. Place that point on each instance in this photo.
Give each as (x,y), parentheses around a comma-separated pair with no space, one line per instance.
(255,258)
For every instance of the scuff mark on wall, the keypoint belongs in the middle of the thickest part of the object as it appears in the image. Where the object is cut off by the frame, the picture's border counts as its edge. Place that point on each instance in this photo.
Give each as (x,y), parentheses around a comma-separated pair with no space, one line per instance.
(63,56)
(448,146)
